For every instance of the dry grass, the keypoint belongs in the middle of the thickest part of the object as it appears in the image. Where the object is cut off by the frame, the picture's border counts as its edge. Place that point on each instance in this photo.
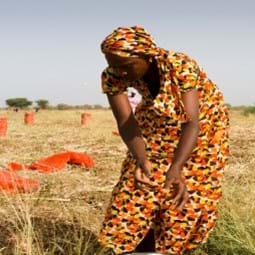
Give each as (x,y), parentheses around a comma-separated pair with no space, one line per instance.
(65,215)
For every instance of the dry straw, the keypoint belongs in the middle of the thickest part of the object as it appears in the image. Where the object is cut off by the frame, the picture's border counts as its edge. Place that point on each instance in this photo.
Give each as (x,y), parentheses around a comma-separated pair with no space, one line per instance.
(64,216)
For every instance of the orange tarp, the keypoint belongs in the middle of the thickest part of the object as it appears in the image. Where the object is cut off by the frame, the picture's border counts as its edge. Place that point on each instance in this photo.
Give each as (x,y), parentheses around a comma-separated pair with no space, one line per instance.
(14,183)
(55,162)
(11,182)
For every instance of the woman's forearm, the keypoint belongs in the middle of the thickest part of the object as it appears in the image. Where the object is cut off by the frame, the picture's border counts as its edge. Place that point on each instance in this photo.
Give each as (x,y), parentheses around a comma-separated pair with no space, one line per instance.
(187,143)
(128,127)
(131,135)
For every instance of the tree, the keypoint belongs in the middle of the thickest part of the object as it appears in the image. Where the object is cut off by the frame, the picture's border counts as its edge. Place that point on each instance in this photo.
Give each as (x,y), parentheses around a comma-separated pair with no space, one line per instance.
(20,102)
(42,103)
(98,106)
(64,107)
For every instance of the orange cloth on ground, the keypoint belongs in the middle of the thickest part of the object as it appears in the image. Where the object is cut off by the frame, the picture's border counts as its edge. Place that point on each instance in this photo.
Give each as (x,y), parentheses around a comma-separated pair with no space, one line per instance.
(13,183)
(55,162)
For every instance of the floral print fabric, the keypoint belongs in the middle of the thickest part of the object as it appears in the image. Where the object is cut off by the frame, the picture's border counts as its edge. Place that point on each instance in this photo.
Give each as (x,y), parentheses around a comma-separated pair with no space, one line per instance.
(133,212)
(129,41)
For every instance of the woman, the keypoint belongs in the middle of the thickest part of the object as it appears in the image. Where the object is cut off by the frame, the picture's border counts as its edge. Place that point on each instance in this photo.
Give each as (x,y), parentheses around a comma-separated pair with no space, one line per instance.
(177,146)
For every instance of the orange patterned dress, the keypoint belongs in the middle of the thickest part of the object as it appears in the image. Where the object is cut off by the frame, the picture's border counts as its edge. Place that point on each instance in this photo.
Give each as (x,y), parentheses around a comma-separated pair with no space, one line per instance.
(133,212)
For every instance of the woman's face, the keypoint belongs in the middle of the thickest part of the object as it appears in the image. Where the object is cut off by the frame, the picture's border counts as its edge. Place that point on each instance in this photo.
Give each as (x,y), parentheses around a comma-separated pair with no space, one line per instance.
(129,68)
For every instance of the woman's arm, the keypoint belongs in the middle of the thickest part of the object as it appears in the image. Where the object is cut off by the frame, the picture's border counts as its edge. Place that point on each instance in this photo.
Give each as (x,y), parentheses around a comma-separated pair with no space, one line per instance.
(187,143)
(131,135)
(190,129)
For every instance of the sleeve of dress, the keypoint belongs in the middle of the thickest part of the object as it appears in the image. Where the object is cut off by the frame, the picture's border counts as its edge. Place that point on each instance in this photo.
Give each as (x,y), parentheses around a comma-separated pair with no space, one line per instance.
(186,74)
(112,84)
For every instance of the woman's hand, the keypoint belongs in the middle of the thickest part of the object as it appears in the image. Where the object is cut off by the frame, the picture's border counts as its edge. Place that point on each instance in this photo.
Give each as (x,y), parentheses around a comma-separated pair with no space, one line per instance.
(180,195)
(142,176)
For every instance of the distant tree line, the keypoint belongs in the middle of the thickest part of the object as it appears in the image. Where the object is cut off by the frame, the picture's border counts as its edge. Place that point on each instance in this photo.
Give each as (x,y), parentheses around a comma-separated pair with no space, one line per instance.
(22,102)
(244,109)
(85,106)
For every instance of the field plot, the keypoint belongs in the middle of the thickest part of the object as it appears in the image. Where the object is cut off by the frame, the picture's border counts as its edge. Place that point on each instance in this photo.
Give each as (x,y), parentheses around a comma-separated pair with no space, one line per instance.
(64,215)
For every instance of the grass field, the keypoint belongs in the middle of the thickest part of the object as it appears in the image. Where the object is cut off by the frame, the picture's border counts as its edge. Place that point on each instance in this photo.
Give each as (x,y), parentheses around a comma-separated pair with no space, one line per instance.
(64,215)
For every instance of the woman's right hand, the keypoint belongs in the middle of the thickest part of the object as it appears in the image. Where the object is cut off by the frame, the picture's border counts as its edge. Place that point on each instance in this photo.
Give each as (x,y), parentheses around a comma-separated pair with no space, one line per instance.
(142,176)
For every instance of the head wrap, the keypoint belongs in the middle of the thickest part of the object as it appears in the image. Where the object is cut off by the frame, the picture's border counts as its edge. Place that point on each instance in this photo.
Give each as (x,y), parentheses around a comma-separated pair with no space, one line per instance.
(129,41)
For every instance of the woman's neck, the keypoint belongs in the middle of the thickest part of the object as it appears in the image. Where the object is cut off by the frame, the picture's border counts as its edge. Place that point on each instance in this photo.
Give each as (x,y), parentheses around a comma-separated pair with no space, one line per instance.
(152,79)
(152,73)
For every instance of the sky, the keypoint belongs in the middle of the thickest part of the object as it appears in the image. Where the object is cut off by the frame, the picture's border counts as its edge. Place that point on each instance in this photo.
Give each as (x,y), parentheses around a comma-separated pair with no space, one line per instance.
(50,49)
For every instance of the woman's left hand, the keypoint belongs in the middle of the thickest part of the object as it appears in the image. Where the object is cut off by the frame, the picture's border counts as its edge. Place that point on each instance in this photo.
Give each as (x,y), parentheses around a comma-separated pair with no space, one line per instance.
(180,195)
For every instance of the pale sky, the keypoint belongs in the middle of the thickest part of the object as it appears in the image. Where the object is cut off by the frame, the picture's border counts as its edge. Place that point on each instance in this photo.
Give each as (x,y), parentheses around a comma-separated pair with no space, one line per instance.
(50,49)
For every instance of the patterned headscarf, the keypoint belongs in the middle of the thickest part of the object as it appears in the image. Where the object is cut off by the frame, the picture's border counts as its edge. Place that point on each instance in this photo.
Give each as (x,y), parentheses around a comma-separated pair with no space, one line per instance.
(129,41)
